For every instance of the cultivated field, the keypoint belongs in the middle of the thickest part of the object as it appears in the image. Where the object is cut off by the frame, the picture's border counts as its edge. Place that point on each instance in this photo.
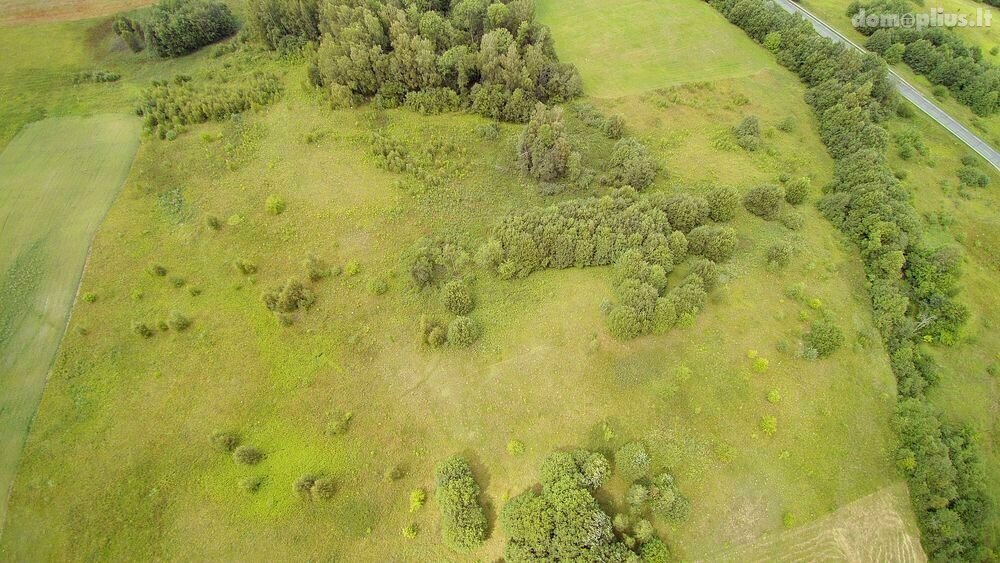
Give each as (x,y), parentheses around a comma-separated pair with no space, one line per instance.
(57,180)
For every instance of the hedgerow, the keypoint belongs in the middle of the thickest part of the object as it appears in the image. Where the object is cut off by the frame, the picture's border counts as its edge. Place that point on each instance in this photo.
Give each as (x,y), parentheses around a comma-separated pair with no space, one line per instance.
(463,522)
(912,287)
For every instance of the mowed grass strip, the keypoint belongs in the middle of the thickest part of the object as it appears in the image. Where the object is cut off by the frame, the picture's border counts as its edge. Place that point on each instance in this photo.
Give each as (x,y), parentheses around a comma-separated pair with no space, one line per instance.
(57,179)
(624,48)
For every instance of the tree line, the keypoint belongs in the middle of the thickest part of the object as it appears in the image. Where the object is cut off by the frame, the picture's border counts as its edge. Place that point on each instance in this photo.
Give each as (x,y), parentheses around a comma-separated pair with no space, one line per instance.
(912,286)
(936,53)
(492,58)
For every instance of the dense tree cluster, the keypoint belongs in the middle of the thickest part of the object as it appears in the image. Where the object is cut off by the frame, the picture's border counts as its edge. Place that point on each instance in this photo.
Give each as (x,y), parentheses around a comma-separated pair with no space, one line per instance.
(463,522)
(563,522)
(177,27)
(764,201)
(491,57)
(183,101)
(936,53)
(278,23)
(436,260)
(544,149)
(913,297)
(632,231)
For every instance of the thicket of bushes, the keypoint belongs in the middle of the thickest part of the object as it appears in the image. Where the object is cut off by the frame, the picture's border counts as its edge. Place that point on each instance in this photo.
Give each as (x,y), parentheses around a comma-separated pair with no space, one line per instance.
(167,105)
(937,53)
(493,58)
(912,286)
(463,522)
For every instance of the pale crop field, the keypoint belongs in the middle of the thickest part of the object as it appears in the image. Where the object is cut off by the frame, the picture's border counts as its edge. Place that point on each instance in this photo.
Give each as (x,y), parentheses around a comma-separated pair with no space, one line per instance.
(57,179)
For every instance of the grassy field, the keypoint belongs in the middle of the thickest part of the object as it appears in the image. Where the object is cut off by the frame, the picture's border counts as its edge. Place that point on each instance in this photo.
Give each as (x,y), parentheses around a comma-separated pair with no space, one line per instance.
(15,12)
(129,418)
(641,45)
(834,12)
(57,180)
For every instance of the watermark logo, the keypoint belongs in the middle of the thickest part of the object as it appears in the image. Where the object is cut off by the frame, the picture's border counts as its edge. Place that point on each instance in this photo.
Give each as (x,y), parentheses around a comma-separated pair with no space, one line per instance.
(935,17)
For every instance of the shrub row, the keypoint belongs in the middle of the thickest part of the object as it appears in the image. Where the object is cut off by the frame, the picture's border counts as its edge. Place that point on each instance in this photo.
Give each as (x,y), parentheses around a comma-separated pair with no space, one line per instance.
(463,522)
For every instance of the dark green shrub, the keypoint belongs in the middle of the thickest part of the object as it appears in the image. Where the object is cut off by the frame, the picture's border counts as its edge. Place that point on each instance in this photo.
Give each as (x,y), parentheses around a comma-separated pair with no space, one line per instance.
(748,133)
(289,298)
(632,461)
(824,337)
(252,484)
(614,127)
(225,441)
(457,298)
(432,332)
(142,329)
(685,211)
(722,203)
(463,331)
(244,267)
(324,488)
(707,271)
(779,255)
(463,522)
(316,269)
(797,190)
(178,321)
(632,165)
(713,242)
(213,222)
(764,201)
(247,455)
(130,32)
(157,270)
(340,424)
(436,259)
(304,485)
(544,147)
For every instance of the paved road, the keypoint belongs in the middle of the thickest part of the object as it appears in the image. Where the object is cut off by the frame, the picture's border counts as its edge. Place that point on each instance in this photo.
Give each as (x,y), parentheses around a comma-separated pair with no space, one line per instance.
(905,89)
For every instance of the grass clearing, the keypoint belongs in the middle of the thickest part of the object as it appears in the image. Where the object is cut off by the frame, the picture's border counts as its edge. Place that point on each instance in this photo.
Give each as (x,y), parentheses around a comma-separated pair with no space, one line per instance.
(57,180)
(640,45)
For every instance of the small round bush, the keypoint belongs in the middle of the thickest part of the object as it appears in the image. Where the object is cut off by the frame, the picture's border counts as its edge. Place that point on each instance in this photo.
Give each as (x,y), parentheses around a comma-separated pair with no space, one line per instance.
(178,321)
(90,297)
(304,484)
(157,270)
(769,425)
(632,165)
(457,298)
(779,255)
(714,242)
(764,201)
(252,484)
(463,331)
(632,461)
(722,203)
(824,337)
(324,488)
(797,190)
(142,329)
(247,455)
(275,205)
(417,499)
(515,447)
(213,222)
(225,441)
(614,127)
(773,396)
(412,530)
